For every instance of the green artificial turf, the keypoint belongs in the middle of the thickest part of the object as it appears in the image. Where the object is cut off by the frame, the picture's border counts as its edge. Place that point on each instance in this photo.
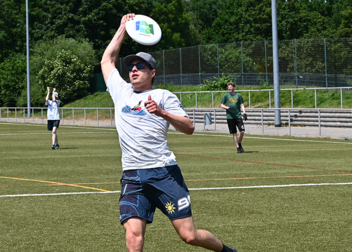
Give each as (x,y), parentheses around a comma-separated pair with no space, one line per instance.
(281,194)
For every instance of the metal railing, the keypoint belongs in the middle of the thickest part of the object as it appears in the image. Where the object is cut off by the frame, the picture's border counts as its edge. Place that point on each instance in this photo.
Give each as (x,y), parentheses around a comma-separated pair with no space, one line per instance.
(103,117)
(269,91)
(74,116)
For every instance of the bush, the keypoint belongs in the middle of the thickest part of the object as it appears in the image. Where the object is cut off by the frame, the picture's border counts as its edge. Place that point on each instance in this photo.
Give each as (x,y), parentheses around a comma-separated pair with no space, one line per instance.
(64,63)
(67,74)
(218,83)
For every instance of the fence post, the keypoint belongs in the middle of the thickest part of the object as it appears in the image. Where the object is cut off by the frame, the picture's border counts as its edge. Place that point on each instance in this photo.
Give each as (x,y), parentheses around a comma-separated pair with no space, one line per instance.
(16,114)
(8,114)
(110,117)
(341,98)
(326,65)
(194,118)
(315,96)
(73,116)
(24,114)
(42,115)
(291,98)
(217,51)
(212,98)
(289,122)
(181,65)
(266,65)
(200,70)
(62,114)
(98,116)
(215,120)
(269,99)
(296,63)
(319,122)
(249,99)
(262,122)
(85,117)
(196,99)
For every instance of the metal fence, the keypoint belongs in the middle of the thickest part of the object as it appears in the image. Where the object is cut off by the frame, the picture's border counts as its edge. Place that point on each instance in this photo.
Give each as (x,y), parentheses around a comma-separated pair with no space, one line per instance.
(296,122)
(74,116)
(318,62)
(270,94)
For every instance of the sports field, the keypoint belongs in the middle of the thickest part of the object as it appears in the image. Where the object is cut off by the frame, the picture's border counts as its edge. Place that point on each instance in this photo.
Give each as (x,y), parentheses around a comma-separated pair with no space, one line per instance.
(282,194)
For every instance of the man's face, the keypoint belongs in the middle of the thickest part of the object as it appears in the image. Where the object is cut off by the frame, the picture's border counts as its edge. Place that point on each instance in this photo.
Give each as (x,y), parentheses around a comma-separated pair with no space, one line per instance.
(141,79)
(230,88)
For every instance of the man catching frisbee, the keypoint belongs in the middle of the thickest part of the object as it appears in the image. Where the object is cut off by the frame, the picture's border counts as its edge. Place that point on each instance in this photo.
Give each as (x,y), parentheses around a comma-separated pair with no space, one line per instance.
(53,116)
(151,177)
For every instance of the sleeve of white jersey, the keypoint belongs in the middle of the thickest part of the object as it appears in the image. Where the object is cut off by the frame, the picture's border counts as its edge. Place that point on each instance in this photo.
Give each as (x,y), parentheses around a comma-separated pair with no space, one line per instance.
(173,105)
(115,83)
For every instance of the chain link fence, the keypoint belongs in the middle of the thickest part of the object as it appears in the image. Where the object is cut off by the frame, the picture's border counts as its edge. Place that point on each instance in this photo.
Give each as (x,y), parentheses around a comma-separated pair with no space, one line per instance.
(318,62)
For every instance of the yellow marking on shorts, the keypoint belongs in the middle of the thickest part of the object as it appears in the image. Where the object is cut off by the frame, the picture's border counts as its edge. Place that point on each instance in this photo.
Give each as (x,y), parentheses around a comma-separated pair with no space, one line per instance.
(57,183)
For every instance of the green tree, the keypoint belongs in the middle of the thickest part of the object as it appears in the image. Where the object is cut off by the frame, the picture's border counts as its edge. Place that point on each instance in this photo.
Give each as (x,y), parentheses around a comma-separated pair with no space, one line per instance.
(345,29)
(68,74)
(12,79)
(13,29)
(48,51)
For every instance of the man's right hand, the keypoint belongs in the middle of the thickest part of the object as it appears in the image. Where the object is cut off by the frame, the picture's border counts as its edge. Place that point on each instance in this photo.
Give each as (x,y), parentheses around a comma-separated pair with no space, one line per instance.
(231,108)
(126,18)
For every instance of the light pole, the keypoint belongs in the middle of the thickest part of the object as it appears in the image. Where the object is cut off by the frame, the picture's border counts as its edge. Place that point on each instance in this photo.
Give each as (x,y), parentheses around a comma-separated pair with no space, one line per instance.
(28,69)
(276,65)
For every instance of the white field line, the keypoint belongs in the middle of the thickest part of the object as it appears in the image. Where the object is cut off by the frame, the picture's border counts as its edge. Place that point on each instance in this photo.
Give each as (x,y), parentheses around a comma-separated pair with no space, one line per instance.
(61,133)
(191,189)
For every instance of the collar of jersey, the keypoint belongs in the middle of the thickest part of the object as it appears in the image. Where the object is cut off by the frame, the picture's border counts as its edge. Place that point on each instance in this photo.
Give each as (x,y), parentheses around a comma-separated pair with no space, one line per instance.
(139,92)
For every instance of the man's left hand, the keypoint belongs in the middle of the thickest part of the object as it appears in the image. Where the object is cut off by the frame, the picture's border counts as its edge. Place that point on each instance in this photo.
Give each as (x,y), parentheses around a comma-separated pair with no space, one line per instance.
(152,107)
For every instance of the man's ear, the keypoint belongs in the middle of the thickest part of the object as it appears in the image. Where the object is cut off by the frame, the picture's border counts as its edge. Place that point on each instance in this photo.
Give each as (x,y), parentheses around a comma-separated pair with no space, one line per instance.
(153,73)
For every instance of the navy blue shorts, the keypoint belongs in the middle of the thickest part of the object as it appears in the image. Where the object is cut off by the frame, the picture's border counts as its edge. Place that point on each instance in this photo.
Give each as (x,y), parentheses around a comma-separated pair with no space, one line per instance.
(144,190)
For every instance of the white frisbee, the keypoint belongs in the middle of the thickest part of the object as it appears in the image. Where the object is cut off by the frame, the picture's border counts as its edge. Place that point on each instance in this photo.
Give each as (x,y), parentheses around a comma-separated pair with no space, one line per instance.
(143,30)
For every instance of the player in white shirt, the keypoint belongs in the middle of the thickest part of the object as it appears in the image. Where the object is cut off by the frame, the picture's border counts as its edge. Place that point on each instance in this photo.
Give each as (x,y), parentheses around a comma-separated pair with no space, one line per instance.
(151,177)
(53,116)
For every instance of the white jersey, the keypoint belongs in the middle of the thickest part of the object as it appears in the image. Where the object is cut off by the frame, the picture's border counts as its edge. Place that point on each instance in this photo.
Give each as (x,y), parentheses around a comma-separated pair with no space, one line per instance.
(53,110)
(142,135)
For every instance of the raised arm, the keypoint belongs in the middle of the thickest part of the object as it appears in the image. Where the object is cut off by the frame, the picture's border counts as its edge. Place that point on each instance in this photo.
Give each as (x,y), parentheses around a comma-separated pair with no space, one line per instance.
(53,95)
(112,51)
(47,96)
(181,123)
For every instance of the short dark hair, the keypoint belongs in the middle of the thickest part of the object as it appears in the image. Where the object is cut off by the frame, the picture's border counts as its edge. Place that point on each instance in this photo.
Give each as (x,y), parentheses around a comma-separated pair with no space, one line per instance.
(231,83)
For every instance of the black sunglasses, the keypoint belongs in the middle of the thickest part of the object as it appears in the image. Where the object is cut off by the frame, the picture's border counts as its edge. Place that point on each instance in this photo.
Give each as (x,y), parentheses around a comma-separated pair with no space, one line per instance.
(139,66)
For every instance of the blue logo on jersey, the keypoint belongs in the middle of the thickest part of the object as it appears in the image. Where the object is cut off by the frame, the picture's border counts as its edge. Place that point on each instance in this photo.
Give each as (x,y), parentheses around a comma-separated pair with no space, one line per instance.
(136,110)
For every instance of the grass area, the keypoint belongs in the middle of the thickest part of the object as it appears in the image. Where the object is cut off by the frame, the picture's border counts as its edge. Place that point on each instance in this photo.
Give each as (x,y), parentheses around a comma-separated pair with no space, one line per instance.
(301,98)
(270,198)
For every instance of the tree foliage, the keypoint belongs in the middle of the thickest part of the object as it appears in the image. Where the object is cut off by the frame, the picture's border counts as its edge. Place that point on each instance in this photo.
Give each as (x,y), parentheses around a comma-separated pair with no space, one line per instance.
(68,74)
(12,79)
(56,63)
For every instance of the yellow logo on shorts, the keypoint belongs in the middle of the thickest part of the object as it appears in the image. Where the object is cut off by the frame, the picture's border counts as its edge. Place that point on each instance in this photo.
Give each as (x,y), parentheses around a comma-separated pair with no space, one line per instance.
(170,208)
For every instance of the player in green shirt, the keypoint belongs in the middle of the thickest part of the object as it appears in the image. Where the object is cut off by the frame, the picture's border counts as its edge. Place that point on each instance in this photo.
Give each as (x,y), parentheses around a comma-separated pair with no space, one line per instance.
(233,102)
